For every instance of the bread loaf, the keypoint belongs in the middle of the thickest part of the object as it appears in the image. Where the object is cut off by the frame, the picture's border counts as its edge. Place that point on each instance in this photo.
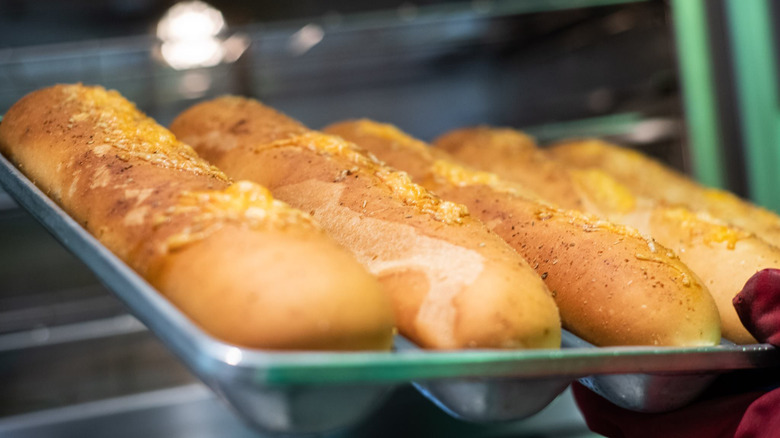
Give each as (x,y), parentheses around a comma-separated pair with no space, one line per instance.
(612,285)
(454,284)
(649,178)
(723,255)
(248,269)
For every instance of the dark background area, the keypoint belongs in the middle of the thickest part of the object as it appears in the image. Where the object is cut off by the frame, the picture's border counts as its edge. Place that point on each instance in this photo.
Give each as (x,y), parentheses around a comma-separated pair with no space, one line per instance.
(428,66)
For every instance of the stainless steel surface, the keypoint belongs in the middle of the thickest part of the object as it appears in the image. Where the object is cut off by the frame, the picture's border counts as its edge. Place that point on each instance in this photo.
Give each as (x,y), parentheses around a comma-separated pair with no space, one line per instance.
(6,203)
(481,399)
(650,393)
(657,392)
(66,333)
(51,367)
(192,411)
(79,384)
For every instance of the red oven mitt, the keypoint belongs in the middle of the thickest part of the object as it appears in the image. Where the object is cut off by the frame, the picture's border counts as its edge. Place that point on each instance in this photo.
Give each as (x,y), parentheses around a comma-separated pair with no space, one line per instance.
(737,406)
(758,306)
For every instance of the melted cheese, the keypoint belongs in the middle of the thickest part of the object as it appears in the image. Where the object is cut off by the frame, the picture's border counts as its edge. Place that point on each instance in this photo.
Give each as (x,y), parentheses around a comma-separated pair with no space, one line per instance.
(416,195)
(587,222)
(244,203)
(449,172)
(398,182)
(443,170)
(606,193)
(390,132)
(706,227)
(591,223)
(685,280)
(121,129)
(460,176)
(508,141)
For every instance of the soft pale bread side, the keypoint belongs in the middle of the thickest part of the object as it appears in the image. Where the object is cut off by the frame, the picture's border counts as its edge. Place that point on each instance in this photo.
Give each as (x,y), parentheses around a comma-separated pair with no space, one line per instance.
(248,269)
(454,284)
(613,286)
(723,255)
(649,178)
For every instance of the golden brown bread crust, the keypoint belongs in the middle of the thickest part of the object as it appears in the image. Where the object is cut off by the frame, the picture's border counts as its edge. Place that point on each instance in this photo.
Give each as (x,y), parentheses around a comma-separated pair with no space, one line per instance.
(454,284)
(513,156)
(723,255)
(222,253)
(613,286)
(649,178)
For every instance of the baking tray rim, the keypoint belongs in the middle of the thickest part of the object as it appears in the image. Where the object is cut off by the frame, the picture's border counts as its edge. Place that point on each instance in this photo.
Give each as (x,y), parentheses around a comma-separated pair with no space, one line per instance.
(211,357)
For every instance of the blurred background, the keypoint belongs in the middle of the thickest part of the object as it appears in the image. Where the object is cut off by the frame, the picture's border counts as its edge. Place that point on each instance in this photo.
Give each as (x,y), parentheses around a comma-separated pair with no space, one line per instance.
(691,82)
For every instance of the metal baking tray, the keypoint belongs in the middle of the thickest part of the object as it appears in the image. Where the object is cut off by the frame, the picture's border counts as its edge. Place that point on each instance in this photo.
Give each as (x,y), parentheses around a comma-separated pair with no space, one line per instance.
(314,391)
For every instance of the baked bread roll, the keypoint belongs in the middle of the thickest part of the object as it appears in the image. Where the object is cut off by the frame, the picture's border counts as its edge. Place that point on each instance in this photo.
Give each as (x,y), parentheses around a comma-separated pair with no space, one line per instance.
(649,178)
(613,286)
(248,269)
(513,156)
(724,256)
(454,284)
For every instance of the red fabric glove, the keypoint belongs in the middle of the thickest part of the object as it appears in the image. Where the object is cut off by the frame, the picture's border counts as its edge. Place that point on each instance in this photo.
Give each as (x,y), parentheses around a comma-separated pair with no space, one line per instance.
(719,412)
(758,306)
(717,417)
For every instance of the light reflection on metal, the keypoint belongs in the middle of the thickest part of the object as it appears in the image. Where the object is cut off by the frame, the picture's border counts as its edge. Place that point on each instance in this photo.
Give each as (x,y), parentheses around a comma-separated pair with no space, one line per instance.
(194,84)
(233,356)
(652,130)
(233,47)
(192,20)
(307,37)
(189,54)
(191,35)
